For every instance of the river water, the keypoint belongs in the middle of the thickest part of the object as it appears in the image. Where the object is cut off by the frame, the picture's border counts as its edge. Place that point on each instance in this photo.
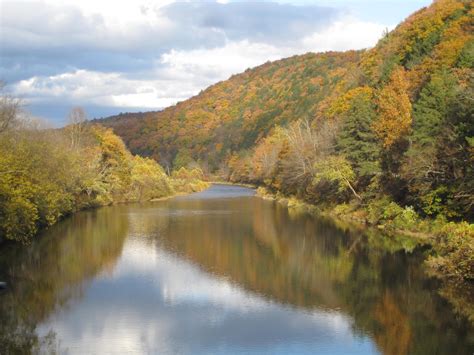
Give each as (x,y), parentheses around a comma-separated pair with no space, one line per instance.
(220,272)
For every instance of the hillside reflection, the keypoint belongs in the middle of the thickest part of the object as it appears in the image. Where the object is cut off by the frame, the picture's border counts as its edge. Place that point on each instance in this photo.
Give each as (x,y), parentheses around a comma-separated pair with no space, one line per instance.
(296,259)
(220,271)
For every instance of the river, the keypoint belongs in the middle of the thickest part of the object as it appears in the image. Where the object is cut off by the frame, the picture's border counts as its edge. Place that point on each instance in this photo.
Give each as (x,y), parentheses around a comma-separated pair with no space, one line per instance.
(220,272)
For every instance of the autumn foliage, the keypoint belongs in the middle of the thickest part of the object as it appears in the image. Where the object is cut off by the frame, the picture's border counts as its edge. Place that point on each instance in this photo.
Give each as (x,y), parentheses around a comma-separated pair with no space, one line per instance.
(394,106)
(47,174)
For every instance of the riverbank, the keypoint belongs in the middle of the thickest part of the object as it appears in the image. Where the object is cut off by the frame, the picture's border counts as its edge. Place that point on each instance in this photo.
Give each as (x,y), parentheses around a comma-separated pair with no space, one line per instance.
(228,183)
(450,253)
(47,175)
(186,189)
(356,219)
(198,187)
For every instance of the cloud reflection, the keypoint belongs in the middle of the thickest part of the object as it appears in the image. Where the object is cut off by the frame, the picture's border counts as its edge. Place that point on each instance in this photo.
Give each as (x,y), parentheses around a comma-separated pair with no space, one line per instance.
(156,302)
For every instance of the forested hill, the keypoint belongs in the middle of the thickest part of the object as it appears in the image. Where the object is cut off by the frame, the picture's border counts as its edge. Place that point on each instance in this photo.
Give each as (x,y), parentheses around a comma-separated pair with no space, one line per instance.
(232,115)
(395,120)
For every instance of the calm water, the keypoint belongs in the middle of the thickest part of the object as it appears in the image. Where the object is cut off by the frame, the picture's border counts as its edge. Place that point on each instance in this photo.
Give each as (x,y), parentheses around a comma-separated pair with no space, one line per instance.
(220,272)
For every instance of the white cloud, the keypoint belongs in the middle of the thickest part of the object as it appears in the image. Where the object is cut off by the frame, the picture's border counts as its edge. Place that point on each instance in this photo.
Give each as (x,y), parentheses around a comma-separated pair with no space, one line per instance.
(219,63)
(110,89)
(345,33)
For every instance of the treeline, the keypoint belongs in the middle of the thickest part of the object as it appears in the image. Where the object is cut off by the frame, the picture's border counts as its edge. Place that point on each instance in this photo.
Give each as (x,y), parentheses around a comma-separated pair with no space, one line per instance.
(46,174)
(360,155)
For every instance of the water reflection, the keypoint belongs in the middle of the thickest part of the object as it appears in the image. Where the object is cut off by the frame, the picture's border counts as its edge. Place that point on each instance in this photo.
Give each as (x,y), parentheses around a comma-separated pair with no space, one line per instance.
(51,274)
(220,272)
(167,305)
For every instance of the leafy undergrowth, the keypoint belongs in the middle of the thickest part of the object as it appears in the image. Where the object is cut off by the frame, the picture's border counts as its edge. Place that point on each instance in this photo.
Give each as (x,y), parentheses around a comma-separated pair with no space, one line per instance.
(188,180)
(452,262)
(453,257)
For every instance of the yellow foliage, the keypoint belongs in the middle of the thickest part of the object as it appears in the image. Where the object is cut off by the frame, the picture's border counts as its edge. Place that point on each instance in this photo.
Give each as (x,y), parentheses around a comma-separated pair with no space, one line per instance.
(343,103)
(394,108)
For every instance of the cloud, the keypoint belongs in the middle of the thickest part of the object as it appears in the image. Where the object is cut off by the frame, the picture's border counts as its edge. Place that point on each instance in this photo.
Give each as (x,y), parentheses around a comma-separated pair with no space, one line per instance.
(345,33)
(253,21)
(149,55)
(54,38)
(83,87)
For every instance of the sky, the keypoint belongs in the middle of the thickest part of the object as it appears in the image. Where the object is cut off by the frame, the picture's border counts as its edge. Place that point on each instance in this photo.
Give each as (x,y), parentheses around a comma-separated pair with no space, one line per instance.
(128,56)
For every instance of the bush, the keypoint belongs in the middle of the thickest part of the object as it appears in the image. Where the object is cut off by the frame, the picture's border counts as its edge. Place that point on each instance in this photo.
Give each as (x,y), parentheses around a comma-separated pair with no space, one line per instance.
(43,177)
(454,248)
(187,181)
(406,219)
(375,210)
(389,214)
(148,180)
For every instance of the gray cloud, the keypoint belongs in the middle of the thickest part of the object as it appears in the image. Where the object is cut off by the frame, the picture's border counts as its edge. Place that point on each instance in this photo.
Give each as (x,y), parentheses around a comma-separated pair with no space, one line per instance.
(261,21)
(37,39)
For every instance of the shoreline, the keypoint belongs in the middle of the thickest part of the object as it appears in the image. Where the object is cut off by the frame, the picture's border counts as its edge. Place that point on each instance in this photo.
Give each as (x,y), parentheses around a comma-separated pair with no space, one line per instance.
(455,288)
(294,202)
(4,241)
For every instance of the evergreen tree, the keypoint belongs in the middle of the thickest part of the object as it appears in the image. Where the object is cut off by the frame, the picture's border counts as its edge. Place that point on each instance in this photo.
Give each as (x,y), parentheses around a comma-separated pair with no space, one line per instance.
(431,109)
(356,140)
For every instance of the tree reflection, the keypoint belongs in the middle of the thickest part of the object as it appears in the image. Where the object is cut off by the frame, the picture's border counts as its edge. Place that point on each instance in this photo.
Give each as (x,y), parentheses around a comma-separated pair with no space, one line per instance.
(52,272)
(302,261)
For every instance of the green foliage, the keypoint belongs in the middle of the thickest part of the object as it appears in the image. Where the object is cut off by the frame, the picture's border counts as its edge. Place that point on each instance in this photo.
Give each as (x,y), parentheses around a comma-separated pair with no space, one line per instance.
(335,169)
(406,219)
(454,252)
(421,165)
(438,164)
(356,139)
(466,58)
(18,214)
(423,45)
(431,109)
(390,215)
(183,159)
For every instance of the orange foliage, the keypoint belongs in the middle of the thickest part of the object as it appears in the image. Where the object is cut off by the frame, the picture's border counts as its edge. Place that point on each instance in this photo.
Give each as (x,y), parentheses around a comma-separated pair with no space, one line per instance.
(234,115)
(394,110)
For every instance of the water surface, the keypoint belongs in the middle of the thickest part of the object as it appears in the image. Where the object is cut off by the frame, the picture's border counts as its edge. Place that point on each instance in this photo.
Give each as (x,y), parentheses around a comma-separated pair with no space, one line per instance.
(220,272)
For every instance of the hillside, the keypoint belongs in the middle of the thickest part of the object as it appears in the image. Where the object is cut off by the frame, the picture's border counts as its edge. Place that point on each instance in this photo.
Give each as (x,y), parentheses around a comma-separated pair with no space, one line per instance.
(234,114)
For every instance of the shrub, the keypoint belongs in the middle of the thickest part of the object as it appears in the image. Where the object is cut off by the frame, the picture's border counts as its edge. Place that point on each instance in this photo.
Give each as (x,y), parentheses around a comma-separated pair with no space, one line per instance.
(391,215)
(454,252)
